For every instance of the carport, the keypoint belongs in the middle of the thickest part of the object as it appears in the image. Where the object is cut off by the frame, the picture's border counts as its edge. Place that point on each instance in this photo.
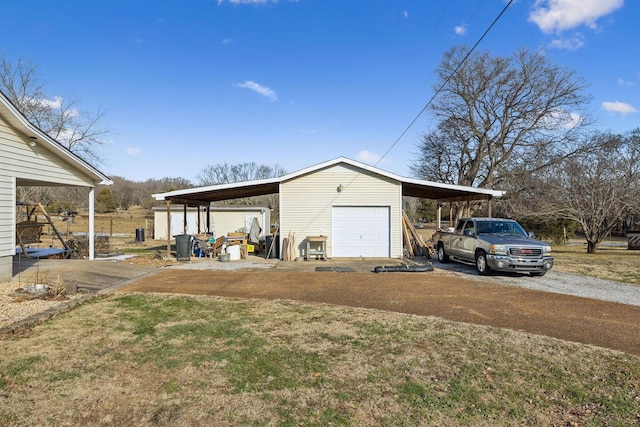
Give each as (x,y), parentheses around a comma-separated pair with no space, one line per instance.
(330,198)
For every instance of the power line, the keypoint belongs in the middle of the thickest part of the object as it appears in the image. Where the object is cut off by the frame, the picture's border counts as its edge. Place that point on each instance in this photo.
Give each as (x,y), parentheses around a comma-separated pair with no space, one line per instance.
(446,81)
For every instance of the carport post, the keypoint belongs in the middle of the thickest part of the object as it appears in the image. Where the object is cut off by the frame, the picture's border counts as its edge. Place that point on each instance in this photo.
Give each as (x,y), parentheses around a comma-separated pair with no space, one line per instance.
(439,216)
(184,223)
(489,206)
(168,229)
(91,224)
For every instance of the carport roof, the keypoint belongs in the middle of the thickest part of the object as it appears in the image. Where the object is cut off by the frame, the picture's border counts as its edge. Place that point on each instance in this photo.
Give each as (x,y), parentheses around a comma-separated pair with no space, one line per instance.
(410,187)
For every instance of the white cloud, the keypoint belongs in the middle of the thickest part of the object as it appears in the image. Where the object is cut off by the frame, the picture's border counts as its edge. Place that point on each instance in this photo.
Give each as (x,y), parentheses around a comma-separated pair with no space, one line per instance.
(560,15)
(368,157)
(571,43)
(133,151)
(626,83)
(619,107)
(461,30)
(54,103)
(227,41)
(57,104)
(248,1)
(307,131)
(258,88)
(561,119)
(405,14)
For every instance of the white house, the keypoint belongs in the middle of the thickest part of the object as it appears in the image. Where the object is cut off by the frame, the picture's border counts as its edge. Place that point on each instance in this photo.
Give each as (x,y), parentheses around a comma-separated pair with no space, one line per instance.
(29,157)
(357,207)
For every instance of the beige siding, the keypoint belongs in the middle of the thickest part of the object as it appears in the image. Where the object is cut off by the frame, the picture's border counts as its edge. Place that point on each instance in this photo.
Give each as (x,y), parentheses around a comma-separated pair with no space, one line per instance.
(306,202)
(7,216)
(18,159)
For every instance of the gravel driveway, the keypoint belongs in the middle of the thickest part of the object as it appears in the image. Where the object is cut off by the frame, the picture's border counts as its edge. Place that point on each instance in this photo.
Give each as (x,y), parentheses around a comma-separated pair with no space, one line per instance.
(457,294)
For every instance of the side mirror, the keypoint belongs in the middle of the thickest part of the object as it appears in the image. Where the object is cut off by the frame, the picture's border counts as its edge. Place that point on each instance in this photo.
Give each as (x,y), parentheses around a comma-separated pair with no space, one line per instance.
(531,234)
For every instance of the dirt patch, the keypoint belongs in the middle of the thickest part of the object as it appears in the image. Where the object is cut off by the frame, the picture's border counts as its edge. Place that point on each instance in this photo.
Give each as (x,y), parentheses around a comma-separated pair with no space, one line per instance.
(600,323)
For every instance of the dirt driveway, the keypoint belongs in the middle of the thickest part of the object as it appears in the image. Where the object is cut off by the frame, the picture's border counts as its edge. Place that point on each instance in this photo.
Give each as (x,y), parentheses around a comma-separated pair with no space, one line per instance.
(442,294)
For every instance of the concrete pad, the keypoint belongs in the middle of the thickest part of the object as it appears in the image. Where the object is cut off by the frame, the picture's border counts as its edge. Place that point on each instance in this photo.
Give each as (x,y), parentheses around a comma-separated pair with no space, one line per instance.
(91,276)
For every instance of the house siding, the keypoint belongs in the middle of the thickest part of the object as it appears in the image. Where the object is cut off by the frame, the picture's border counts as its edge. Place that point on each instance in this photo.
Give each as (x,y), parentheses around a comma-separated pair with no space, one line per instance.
(306,202)
(25,163)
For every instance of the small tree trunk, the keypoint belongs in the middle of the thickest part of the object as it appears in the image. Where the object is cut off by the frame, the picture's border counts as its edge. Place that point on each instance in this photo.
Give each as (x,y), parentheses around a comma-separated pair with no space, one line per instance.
(592,248)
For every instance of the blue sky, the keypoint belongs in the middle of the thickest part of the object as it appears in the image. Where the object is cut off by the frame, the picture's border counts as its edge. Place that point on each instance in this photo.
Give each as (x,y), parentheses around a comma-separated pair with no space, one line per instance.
(193,83)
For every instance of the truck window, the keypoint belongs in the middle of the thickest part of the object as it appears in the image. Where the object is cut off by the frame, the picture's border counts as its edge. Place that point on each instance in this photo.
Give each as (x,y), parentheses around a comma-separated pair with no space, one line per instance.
(459,226)
(484,227)
(468,229)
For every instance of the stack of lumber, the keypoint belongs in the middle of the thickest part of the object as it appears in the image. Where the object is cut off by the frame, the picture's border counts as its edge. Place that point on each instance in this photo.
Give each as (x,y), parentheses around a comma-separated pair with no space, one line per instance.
(413,242)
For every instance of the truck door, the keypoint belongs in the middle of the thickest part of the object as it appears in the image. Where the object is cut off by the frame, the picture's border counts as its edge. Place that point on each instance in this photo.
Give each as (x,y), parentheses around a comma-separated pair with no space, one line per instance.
(463,241)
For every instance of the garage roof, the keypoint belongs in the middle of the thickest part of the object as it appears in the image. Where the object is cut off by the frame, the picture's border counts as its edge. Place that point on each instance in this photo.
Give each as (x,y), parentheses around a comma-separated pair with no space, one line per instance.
(410,187)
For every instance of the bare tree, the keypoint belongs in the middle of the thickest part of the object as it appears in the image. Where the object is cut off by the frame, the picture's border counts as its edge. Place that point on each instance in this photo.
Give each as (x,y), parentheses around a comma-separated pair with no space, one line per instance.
(597,188)
(495,115)
(82,132)
(223,173)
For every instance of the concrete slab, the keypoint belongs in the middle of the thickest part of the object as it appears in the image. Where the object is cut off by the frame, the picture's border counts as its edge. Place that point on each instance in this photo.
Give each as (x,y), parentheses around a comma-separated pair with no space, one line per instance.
(91,276)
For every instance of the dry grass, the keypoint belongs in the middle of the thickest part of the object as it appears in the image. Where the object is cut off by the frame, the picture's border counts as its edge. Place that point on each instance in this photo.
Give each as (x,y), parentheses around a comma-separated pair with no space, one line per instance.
(152,360)
(610,262)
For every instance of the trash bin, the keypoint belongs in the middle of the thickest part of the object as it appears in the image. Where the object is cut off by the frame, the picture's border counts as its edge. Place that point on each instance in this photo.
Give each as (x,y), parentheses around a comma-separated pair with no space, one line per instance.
(183,252)
(139,234)
(272,240)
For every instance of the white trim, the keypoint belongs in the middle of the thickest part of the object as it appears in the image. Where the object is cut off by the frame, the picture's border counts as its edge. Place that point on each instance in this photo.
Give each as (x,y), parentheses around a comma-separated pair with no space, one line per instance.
(91,224)
(329,163)
(14,214)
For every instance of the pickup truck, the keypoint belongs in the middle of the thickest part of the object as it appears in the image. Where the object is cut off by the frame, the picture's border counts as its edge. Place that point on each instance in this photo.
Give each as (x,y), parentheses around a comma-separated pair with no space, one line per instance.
(493,244)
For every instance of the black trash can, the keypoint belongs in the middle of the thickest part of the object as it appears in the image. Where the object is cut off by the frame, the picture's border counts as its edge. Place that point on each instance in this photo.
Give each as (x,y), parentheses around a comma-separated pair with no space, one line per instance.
(183,251)
(275,250)
(139,234)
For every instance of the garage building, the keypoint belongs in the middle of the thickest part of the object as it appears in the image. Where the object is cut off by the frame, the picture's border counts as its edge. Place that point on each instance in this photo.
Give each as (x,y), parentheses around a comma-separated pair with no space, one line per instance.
(357,207)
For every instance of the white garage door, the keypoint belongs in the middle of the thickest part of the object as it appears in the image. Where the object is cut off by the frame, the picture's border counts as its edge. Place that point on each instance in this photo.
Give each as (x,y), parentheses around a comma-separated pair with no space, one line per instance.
(360,231)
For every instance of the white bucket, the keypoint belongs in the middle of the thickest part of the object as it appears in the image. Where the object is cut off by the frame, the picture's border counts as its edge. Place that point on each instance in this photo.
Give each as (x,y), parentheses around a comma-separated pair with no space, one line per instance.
(234,252)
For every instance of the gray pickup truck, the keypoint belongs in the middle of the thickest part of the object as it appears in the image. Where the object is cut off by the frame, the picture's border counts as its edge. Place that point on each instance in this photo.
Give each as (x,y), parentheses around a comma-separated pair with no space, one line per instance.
(493,244)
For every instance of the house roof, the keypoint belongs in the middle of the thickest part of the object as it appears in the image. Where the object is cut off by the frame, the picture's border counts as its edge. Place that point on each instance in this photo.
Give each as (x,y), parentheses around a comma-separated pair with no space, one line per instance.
(25,128)
(410,187)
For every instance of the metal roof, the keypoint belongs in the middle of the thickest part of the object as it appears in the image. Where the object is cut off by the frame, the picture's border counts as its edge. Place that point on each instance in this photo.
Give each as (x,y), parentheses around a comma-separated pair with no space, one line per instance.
(410,187)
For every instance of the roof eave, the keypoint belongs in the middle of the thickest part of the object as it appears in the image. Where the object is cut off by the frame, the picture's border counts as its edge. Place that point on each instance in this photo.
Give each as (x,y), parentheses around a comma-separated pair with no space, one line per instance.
(20,122)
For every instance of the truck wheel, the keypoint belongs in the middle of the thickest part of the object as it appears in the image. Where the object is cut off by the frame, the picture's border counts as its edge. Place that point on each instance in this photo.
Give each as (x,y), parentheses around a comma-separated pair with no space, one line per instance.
(481,263)
(442,255)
